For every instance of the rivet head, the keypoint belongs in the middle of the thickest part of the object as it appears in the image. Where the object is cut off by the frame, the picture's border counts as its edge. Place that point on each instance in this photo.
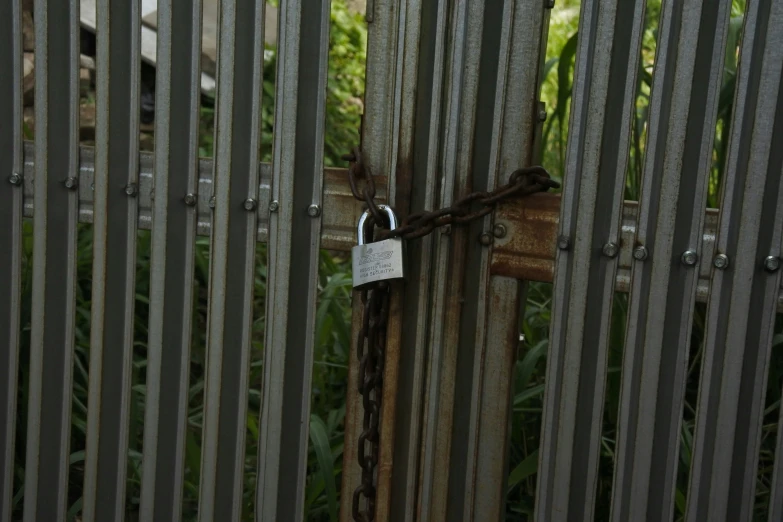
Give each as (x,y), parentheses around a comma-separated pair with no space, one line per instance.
(640,253)
(71,183)
(563,242)
(499,230)
(721,262)
(15,179)
(249,204)
(485,239)
(273,206)
(689,258)
(314,210)
(611,249)
(542,115)
(190,199)
(131,189)
(212,202)
(772,264)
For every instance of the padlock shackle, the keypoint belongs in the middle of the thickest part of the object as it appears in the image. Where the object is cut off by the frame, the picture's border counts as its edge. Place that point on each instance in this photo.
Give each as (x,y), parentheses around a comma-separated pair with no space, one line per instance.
(366,214)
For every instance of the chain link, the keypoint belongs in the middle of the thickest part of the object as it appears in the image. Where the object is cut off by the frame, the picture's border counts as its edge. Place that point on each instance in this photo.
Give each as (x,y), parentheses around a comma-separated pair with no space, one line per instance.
(522,182)
(371,351)
(371,341)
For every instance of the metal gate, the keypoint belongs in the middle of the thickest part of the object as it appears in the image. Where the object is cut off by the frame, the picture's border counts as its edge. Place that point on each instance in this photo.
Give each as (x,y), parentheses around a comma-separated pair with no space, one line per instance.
(451,106)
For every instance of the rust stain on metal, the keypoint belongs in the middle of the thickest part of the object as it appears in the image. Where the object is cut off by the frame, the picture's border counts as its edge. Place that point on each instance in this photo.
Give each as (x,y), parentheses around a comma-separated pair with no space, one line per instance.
(389,402)
(443,404)
(352,473)
(528,250)
(495,401)
(403,187)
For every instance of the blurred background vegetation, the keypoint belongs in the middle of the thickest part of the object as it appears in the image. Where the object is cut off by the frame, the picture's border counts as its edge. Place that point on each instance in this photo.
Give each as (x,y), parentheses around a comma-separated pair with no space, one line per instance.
(344,109)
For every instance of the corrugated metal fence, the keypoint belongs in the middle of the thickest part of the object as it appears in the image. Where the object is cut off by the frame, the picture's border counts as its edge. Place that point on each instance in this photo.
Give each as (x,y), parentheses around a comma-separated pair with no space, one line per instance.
(451,106)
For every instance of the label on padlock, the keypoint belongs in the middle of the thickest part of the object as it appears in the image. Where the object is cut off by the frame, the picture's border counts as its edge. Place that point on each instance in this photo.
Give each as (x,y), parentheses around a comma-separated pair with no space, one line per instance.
(377,261)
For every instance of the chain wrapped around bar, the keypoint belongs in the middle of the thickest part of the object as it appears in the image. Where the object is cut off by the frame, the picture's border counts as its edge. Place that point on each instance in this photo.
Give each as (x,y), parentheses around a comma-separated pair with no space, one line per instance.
(371,341)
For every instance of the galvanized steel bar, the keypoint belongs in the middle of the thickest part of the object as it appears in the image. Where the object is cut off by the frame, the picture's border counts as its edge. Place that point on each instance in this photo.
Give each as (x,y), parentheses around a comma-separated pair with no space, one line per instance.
(776,487)
(490,110)
(393,53)
(604,94)
(683,110)
(232,257)
(741,311)
(11,198)
(179,186)
(491,415)
(397,57)
(458,64)
(419,100)
(294,248)
(114,258)
(514,125)
(383,82)
(54,259)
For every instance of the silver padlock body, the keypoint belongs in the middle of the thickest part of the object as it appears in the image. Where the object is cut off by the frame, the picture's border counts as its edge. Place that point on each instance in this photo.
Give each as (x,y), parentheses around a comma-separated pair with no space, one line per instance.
(377,261)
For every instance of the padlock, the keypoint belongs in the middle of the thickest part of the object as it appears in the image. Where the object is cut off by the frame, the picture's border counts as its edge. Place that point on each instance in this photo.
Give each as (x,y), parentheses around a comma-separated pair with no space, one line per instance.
(380,260)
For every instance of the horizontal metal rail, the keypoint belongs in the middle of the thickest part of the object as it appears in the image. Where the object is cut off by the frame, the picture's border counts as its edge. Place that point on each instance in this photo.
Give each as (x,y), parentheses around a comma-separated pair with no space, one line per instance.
(339,213)
(525,252)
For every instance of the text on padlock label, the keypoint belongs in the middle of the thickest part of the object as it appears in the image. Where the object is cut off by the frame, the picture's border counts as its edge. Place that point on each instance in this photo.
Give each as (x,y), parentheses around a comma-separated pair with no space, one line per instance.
(377,261)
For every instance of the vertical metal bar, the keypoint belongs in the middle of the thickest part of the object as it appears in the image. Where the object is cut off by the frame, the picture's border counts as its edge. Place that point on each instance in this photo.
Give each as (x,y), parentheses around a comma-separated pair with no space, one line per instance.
(54,259)
(460,86)
(115,213)
(741,310)
(232,260)
(776,489)
(486,483)
(173,241)
(481,113)
(420,127)
(383,83)
(419,130)
(390,70)
(395,48)
(294,243)
(523,32)
(604,93)
(11,197)
(683,110)
(398,87)
(352,473)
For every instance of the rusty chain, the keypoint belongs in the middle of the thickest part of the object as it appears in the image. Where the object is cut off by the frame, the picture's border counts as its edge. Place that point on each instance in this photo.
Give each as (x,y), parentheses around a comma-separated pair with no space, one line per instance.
(373,335)
(371,341)
(522,182)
